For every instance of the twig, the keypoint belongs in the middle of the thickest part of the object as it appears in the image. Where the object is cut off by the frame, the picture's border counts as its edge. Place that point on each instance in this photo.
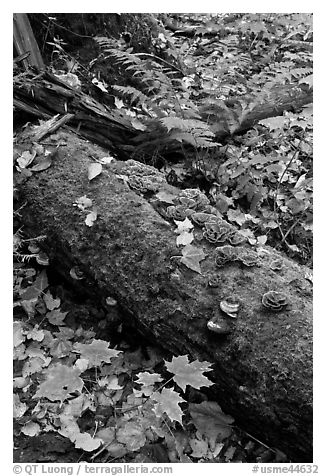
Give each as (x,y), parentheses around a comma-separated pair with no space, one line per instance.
(64,28)
(290,229)
(277,190)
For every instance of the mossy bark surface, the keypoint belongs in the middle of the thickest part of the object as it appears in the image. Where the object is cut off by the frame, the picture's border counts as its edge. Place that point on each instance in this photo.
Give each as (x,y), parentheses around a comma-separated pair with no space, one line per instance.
(262,368)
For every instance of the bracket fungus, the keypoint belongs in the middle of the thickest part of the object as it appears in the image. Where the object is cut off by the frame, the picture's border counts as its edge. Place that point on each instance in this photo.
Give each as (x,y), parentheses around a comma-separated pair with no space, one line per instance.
(144,184)
(235,238)
(194,198)
(218,326)
(76,273)
(187,202)
(230,306)
(248,257)
(223,254)
(177,212)
(110,301)
(42,259)
(200,218)
(274,301)
(215,234)
(276,265)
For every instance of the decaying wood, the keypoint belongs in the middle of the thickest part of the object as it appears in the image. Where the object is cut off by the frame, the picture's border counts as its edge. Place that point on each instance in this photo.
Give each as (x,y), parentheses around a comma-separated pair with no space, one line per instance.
(262,369)
(24,42)
(46,95)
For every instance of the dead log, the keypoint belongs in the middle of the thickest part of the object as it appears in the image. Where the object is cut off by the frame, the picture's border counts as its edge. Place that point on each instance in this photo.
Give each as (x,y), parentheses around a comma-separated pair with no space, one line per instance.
(239,114)
(262,366)
(46,95)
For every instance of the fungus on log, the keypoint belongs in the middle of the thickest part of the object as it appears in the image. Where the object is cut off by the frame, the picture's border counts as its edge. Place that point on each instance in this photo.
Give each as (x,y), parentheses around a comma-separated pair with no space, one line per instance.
(263,365)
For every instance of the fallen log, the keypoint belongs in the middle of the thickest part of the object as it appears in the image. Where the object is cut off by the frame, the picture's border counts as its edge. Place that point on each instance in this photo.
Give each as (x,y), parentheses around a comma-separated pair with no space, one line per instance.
(46,95)
(263,356)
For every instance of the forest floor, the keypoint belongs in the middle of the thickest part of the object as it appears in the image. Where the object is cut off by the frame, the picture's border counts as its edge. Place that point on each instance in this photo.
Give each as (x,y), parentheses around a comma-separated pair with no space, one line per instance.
(53,322)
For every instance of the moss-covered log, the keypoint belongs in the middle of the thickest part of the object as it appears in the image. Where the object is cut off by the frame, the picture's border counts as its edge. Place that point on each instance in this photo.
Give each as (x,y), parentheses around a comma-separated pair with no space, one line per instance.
(263,366)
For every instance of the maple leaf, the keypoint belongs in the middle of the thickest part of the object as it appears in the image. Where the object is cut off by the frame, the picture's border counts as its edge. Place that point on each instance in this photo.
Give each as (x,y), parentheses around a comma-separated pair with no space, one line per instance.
(96,352)
(145,378)
(210,421)
(94,170)
(60,382)
(191,256)
(168,402)
(186,373)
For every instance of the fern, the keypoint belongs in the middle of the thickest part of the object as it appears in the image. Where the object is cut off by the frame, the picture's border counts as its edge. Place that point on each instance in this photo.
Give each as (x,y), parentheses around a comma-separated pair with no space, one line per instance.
(136,95)
(169,113)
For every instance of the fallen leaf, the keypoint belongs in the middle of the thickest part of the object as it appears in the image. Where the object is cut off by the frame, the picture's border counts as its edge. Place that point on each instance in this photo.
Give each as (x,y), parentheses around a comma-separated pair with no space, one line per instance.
(19,407)
(189,373)
(185,238)
(210,421)
(132,435)
(50,302)
(91,217)
(19,334)
(191,256)
(94,170)
(97,352)
(184,225)
(31,429)
(86,442)
(168,402)
(199,448)
(42,164)
(261,240)
(26,159)
(107,160)
(56,317)
(60,382)
(83,202)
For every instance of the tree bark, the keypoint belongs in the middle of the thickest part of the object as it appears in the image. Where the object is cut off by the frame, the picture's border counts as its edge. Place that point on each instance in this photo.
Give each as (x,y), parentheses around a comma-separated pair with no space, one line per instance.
(262,369)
